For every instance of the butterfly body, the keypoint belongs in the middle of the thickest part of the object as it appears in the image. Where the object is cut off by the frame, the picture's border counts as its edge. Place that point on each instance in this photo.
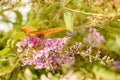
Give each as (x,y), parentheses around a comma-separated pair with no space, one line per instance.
(30,31)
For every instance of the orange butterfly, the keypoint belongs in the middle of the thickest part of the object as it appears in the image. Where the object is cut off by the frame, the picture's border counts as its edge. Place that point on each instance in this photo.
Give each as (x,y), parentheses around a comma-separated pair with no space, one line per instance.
(30,31)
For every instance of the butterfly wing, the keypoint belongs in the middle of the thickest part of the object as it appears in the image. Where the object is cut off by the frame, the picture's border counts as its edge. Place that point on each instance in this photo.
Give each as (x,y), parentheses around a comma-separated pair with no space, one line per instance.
(48,31)
(28,29)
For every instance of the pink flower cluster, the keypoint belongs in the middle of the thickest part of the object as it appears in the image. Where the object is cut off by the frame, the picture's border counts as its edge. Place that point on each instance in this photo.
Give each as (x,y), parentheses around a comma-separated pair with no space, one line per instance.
(95,37)
(27,43)
(44,53)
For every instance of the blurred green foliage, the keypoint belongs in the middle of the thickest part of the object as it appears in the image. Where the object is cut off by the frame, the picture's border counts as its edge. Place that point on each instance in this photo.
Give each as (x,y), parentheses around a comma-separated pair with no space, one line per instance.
(77,16)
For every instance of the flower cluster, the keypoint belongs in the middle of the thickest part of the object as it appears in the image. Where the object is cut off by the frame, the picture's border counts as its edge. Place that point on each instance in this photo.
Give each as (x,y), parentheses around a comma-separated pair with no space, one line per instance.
(95,36)
(44,53)
(27,43)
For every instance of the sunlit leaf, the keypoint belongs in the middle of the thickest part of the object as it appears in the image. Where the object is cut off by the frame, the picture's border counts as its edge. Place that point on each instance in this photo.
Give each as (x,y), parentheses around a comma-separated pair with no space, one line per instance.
(4,51)
(68,18)
(19,17)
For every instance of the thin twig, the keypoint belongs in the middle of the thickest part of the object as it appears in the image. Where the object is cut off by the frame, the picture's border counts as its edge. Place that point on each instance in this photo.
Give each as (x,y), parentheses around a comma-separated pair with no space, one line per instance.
(94,14)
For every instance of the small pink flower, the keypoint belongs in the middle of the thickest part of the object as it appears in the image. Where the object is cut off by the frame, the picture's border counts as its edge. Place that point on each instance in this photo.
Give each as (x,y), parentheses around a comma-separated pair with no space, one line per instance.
(95,37)
(26,61)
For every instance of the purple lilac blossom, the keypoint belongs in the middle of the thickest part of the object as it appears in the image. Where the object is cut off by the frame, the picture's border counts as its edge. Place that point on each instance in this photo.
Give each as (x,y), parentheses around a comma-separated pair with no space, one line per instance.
(95,36)
(27,43)
(50,55)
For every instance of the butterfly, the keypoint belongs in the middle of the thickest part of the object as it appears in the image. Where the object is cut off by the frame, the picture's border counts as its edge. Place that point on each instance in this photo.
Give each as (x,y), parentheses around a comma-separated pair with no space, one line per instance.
(30,31)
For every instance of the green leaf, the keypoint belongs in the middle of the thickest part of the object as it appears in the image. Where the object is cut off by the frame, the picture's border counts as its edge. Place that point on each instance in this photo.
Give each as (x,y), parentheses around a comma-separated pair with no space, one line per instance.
(4,51)
(68,18)
(19,17)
